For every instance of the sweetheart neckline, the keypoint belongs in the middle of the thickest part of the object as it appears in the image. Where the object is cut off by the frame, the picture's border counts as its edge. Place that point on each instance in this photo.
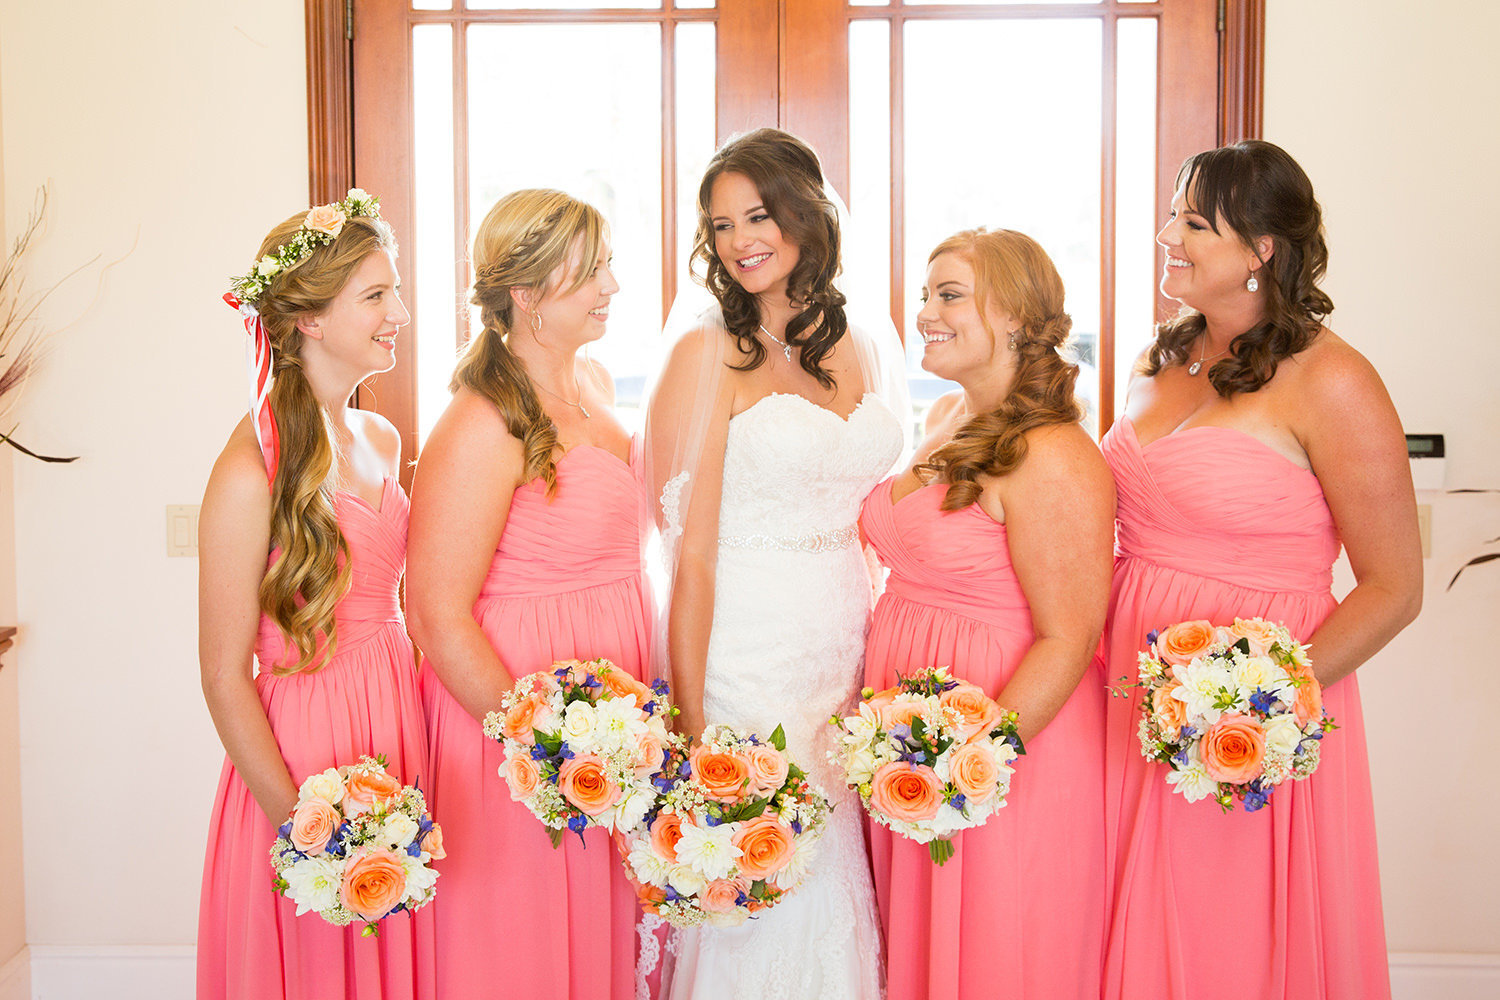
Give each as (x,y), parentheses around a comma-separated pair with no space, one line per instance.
(797,395)
(1235,431)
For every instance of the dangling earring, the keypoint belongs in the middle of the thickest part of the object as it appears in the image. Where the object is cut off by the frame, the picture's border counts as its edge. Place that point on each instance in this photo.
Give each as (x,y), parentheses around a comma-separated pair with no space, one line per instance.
(1252,285)
(1012,340)
(536,321)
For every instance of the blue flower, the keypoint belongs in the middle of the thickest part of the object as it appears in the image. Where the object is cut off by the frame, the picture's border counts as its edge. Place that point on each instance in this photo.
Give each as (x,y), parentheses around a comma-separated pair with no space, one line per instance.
(415,848)
(1151,635)
(685,769)
(539,752)
(1180,758)
(660,686)
(797,827)
(711,820)
(649,708)
(565,752)
(1261,700)
(590,681)
(958,801)
(1186,733)
(578,824)
(285,830)
(673,895)
(1255,796)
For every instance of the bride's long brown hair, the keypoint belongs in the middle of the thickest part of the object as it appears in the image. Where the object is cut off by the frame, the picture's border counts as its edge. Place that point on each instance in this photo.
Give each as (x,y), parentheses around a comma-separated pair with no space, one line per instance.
(1012,274)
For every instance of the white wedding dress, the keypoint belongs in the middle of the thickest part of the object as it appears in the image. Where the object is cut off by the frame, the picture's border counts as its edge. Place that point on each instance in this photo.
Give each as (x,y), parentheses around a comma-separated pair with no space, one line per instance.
(791,606)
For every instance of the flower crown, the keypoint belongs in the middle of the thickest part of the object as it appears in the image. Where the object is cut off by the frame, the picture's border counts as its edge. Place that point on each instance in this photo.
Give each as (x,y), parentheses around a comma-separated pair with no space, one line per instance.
(319,228)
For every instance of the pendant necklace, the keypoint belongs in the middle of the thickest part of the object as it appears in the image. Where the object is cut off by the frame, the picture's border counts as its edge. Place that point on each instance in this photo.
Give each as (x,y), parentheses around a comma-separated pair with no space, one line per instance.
(579,404)
(785,347)
(1197,366)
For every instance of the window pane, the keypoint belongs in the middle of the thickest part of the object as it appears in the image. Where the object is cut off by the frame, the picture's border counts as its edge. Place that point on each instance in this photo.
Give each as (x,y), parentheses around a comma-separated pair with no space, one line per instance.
(563,4)
(972,3)
(1135,195)
(431,4)
(1026,157)
(593,131)
(693,4)
(433,248)
(867,259)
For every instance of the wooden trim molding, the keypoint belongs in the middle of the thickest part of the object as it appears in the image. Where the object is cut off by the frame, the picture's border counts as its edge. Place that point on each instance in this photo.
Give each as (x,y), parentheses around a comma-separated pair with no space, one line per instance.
(1242,70)
(330,103)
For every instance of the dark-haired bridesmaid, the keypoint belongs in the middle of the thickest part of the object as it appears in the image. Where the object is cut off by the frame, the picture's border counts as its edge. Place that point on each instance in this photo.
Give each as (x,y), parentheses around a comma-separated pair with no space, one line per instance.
(1254,443)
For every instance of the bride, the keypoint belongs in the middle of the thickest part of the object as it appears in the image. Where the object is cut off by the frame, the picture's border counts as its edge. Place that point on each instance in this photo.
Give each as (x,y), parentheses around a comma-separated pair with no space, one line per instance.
(769,425)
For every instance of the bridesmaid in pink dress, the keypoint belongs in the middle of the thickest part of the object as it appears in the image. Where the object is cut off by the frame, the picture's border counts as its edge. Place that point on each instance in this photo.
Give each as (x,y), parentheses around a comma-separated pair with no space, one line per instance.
(528,528)
(330,322)
(1254,442)
(998,542)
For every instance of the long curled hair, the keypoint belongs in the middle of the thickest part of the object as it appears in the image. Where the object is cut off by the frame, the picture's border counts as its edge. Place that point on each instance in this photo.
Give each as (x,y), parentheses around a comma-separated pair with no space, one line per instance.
(311,573)
(525,237)
(787,176)
(1256,189)
(1012,274)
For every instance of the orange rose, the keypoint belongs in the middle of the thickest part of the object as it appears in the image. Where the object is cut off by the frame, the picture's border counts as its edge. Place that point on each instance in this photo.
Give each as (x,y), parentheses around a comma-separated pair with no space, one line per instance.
(650,752)
(979,711)
(768,769)
(1233,749)
(1170,713)
(907,793)
(1261,634)
(765,847)
(620,684)
(1183,642)
(325,219)
(665,833)
(1309,706)
(364,789)
(722,895)
(374,883)
(974,771)
(899,711)
(522,774)
(881,699)
(521,719)
(313,823)
(433,843)
(583,782)
(723,776)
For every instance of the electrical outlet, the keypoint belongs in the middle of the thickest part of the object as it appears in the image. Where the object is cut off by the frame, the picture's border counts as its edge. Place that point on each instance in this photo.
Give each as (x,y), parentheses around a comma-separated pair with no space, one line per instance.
(1424,528)
(182,529)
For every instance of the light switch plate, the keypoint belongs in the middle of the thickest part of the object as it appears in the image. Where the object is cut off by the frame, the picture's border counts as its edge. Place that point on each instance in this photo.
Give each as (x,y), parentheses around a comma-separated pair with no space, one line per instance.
(182,529)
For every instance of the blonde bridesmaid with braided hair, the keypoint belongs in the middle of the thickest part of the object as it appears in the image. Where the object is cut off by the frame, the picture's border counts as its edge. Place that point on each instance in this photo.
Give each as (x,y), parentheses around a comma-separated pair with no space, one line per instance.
(527,533)
(302,542)
(998,539)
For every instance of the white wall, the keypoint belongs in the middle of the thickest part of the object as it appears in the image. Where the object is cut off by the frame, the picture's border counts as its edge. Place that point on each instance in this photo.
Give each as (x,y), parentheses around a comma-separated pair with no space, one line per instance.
(173,136)
(1390,107)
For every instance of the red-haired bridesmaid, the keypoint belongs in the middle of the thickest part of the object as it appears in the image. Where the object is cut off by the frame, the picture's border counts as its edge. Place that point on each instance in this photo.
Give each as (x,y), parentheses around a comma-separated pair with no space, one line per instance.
(1254,442)
(998,542)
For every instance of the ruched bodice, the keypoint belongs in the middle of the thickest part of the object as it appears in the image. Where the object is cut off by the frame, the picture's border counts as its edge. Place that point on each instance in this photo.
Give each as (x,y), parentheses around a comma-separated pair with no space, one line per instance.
(957,560)
(591,531)
(1217,503)
(377,551)
(1214,524)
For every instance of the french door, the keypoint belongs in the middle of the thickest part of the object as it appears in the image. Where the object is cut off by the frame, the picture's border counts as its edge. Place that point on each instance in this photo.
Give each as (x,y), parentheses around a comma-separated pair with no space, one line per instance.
(1062,119)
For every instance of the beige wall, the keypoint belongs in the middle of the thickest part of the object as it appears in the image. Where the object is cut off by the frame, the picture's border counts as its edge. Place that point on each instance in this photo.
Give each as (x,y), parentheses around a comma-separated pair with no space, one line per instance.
(1390,108)
(173,135)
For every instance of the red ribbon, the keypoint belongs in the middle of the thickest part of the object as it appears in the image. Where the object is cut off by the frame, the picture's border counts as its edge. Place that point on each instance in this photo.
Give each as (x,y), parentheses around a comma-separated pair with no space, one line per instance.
(258,358)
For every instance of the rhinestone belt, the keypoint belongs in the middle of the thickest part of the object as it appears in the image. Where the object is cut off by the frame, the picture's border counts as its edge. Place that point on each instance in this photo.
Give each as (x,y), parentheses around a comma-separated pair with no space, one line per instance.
(817,541)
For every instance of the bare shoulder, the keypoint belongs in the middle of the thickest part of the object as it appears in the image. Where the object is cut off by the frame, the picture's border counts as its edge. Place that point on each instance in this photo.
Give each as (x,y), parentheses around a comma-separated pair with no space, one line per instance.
(471,424)
(1330,380)
(1065,456)
(238,483)
(383,437)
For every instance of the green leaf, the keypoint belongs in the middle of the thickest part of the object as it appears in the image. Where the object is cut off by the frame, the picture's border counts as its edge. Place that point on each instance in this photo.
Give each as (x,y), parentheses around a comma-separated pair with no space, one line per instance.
(555,836)
(918,727)
(940,850)
(778,738)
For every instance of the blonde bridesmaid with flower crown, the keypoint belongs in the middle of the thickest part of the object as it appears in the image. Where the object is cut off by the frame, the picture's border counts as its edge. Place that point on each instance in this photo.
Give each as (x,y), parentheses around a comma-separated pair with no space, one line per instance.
(1254,443)
(998,539)
(302,541)
(527,547)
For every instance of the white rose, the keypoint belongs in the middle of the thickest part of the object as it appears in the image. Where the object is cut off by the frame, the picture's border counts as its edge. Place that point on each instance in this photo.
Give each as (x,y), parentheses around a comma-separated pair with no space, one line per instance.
(861,766)
(398,830)
(1282,734)
(267,267)
(578,726)
(326,785)
(685,880)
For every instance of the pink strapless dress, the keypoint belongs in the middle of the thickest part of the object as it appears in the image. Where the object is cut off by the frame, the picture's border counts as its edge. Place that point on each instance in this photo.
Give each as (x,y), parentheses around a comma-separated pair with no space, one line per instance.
(251,945)
(1280,904)
(1018,912)
(517,916)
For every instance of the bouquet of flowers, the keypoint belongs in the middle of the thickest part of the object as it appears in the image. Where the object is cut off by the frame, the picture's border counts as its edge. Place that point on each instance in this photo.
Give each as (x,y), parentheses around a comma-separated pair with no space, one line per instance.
(732,829)
(583,742)
(929,757)
(1233,711)
(358,846)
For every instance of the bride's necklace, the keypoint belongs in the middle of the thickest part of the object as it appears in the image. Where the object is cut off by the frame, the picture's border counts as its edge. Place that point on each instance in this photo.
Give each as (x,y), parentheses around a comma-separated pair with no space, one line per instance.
(1197,366)
(785,347)
(578,403)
